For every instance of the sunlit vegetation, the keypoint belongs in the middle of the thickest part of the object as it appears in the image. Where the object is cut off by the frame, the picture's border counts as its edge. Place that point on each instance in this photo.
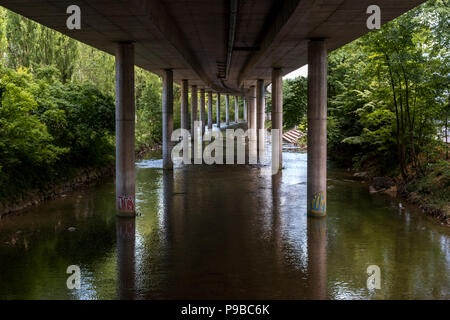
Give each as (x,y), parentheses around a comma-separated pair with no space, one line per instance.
(57,106)
(388,101)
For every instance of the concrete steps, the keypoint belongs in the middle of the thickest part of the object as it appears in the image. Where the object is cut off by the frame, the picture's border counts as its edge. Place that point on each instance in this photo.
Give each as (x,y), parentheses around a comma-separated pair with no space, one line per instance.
(293,135)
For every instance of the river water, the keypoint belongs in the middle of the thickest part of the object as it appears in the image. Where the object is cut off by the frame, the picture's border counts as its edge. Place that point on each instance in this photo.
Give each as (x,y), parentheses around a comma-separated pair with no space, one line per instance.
(225,232)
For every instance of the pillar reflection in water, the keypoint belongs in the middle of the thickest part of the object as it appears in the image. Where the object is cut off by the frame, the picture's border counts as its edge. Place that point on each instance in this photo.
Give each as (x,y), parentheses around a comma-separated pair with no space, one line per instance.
(125,235)
(276,215)
(317,257)
(252,128)
(168,202)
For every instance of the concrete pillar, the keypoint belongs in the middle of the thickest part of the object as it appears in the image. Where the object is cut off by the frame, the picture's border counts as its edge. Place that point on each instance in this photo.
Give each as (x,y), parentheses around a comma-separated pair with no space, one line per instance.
(236,109)
(167,118)
(252,141)
(317,127)
(277,115)
(210,120)
(184,104)
(248,110)
(245,109)
(249,118)
(227,109)
(260,112)
(218,110)
(194,108)
(252,108)
(125,117)
(202,110)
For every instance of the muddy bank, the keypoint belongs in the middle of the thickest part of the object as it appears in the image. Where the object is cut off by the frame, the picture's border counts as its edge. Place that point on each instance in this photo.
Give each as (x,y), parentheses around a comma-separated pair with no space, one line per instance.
(442,216)
(397,188)
(82,178)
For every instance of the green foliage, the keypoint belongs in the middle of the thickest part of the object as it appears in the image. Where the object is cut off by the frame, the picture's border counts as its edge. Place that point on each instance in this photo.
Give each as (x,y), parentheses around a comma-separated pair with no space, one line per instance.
(295,101)
(388,95)
(79,117)
(32,45)
(2,32)
(96,68)
(148,110)
(57,106)
(389,91)
(47,127)
(434,186)
(26,149)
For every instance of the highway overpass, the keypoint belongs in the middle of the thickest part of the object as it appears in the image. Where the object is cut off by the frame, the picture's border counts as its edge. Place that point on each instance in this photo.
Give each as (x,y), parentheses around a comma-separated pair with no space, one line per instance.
(233,47)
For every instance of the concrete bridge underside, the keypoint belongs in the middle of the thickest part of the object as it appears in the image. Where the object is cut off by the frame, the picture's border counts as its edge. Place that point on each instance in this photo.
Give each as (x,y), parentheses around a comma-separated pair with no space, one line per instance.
(230,47)
(217,44)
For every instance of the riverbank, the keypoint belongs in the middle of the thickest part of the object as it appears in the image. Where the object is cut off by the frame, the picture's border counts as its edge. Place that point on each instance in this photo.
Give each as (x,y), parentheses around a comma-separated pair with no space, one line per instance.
(223,218)
(430,193)
(80,178)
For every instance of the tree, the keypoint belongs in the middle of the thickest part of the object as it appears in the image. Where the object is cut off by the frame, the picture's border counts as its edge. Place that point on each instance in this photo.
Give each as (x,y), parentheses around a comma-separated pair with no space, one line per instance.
(58,50)
(96,68)
(32,45)
(26,147)
(2,35)
(295,101)
(148,109)
(398,73)
(21,35)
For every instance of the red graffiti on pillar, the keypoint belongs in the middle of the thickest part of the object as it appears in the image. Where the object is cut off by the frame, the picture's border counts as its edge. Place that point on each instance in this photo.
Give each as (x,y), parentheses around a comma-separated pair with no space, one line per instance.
(126,203)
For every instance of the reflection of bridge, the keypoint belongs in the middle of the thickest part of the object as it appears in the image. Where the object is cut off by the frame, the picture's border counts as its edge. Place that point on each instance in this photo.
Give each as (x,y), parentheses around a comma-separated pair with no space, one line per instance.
(225,254)
(228,47)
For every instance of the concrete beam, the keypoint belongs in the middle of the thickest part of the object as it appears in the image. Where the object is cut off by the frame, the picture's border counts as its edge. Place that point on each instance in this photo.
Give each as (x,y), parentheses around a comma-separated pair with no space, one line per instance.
(167,118)
(159,20)
(125,123)
(191,38)
(271,31)
(317,128)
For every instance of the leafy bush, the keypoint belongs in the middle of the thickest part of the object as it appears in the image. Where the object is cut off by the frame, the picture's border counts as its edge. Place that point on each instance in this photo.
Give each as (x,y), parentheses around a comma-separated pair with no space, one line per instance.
(26,149)
(434,185)
(148,110)
(58,113)
(80,118)
(295,101)
(47,128)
